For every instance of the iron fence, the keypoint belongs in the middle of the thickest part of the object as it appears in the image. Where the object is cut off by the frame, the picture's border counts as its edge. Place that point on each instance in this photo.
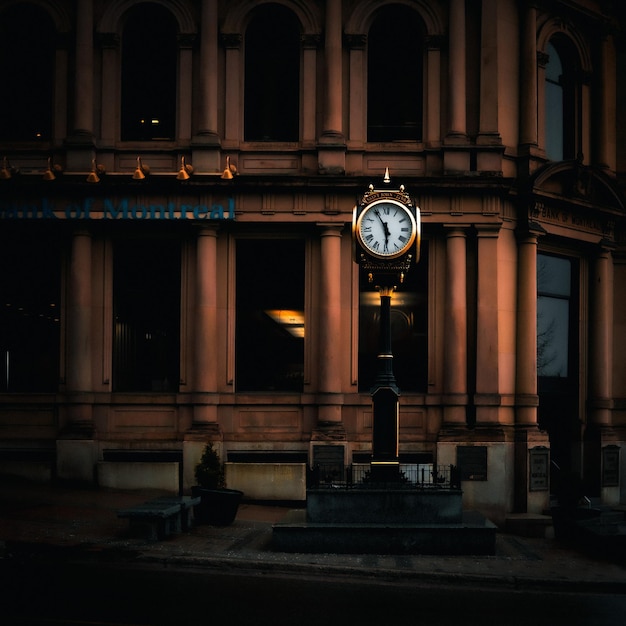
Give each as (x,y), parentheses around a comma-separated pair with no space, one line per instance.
(359,475)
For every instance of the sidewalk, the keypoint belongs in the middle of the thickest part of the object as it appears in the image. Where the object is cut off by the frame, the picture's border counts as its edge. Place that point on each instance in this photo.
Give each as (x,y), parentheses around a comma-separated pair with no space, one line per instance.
(82,523)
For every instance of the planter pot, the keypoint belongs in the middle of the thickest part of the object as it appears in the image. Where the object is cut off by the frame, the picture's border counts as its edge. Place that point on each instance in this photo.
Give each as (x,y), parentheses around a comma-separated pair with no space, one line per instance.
(218,507)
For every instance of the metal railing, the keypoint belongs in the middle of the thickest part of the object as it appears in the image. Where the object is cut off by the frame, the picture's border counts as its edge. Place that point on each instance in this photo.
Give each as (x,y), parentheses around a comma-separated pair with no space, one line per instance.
(359,475)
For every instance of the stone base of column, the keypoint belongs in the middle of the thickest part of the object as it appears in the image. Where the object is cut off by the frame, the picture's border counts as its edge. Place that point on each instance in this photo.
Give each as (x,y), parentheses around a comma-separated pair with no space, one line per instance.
(80,151)
(329,431)
(331,155)
(204,431)
(76,460)
(206,153)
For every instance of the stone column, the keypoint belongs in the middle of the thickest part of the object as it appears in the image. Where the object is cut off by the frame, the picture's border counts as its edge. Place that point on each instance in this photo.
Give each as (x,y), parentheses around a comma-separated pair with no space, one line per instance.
(489,157)
(233,102)
(600,372)
(455,330)
(205,336)
(528,77)
(310,45)
(76,449)
(79,315)
(330,342)
(332,149)
(357,123)
(332,48)
(487,398)
(183,104)
(526,399)
(601,340)
(205,426)
(206,141)
(80,143)
(457,128)
(527,435)
(432,132)
(83,95)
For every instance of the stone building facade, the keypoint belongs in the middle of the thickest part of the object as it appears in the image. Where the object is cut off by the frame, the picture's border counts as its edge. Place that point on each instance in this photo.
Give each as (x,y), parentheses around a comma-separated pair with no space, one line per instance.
(176,196)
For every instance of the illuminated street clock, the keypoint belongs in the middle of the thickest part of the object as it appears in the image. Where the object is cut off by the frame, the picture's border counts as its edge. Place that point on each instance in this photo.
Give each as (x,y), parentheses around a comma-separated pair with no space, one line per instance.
(386,232)
(386,229)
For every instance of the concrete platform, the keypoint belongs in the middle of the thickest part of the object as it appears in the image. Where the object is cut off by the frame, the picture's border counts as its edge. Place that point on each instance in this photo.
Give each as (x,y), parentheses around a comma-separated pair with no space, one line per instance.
(473,535)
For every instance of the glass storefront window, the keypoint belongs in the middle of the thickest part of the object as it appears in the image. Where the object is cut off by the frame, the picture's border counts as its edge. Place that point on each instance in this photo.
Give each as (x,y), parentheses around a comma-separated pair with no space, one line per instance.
(553,312)
(270,325)
(146,305)
(30,312)
(409,330)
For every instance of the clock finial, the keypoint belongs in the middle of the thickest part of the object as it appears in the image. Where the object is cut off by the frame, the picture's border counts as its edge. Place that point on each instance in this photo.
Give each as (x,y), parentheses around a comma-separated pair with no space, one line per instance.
(387,178)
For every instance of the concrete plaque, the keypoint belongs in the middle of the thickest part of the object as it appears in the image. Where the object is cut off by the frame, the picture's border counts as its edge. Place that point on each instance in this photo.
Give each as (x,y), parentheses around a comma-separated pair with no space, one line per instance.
(538,474)
(610,466)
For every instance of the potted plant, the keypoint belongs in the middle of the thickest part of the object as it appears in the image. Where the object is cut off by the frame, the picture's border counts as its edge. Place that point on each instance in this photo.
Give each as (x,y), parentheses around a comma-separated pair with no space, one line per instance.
(218,505)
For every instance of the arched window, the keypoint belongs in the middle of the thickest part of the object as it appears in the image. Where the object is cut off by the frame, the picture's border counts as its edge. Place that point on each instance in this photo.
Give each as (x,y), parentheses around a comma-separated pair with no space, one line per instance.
(272,76)
(27,50)
(562,72)
(149,57)
(395,76)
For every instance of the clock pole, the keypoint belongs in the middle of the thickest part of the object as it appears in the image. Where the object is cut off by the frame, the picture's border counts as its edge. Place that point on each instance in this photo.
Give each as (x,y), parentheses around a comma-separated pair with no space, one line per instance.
(386,241)
(385,401)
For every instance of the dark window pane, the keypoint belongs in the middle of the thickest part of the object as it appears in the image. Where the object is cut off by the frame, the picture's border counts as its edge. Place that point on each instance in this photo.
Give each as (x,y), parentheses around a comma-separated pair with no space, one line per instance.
(554,276)
(27,50)
(409,330)
(149,57)
(561,109)
(395,75)
(269,343)
(272,76)
(146,300)
(30,288)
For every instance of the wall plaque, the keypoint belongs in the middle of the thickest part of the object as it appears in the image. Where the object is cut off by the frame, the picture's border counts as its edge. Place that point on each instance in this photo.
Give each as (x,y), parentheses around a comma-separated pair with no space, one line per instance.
(538,470)
(610,466)
(472,462)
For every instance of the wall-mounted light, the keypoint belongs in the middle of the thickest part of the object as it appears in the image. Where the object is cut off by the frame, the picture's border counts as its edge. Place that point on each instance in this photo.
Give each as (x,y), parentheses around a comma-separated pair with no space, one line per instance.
(5,172)
(229,170)
(185,170)
(49,173)
(141,171)
(95,170)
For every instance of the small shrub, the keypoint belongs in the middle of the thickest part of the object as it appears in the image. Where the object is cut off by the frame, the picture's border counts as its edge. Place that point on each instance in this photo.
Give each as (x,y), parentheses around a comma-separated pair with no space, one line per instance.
(209,472)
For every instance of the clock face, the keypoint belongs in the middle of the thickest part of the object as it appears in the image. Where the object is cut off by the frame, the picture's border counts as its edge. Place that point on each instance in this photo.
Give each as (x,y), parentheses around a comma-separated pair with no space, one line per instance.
(386,229)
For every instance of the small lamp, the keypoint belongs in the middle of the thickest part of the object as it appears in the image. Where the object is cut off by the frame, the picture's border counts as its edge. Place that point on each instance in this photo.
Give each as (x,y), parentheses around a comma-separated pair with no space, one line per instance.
(5,173)
(227,174)
(49,174)
(139,173)
(93,176)
(184,171)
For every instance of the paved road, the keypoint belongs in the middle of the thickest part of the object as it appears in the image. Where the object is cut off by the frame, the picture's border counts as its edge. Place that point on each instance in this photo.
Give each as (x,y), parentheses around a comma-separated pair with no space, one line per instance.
(48,591)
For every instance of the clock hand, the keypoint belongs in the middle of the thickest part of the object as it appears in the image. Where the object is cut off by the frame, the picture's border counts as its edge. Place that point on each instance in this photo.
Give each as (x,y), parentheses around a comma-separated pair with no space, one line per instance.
(387,233)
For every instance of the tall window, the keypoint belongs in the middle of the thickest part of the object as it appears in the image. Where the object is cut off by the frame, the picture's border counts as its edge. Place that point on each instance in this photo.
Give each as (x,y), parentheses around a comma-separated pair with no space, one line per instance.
(395,76)
(557,354)
(270,326)
(272,76)
(149,57)
(30,293)
(409,330)
(27,50)
(146,301)
(561,95)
